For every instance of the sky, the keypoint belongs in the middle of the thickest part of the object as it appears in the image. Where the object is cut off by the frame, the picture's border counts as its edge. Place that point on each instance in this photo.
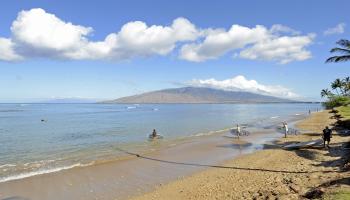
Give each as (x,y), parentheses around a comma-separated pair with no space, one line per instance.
(109,49)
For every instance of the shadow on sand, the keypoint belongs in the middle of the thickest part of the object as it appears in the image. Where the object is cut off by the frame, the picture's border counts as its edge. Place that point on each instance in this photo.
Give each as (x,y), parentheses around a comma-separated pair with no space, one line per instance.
(219,166)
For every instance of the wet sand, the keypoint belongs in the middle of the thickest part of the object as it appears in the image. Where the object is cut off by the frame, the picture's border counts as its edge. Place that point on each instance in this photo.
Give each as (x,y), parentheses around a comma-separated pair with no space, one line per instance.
(207,167)
(273,173)
(136,174)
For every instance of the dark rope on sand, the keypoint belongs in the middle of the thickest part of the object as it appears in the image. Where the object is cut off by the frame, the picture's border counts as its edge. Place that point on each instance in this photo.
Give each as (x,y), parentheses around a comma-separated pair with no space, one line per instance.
(222,167)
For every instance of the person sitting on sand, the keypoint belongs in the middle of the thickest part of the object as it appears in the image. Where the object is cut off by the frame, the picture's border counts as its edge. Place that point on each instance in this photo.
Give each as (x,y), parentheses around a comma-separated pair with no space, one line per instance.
(327,134)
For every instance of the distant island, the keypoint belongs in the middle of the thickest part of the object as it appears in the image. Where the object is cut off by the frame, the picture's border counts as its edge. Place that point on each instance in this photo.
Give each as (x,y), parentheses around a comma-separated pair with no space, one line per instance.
(199,95)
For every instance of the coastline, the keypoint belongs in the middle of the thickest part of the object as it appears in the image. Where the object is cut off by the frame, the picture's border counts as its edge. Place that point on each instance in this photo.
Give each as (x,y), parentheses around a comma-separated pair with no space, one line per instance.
(130,176)
(270,173)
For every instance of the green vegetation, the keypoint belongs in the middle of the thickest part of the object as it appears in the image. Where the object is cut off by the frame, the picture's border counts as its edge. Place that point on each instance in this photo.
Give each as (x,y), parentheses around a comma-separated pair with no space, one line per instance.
(344,112)
(340,102)
(339,95)
(338,195)
(343,116)
(336,101)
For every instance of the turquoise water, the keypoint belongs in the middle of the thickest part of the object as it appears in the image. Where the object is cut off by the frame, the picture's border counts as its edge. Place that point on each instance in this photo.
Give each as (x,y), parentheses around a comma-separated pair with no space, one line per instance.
(42,138)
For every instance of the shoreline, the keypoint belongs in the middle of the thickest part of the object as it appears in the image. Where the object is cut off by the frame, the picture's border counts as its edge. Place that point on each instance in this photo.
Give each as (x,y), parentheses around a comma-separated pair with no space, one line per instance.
(185,157)
(143,148)
(270,173)
(132,176)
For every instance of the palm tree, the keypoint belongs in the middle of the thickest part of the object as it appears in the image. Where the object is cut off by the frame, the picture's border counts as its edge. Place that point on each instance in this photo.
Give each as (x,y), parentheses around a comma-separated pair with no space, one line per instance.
(344,49)
(346,85)
(337,83)
(325,93)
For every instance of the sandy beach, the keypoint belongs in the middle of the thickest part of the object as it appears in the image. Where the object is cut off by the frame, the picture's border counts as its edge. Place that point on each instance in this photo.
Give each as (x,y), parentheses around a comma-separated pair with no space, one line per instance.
(216,166)
(136,174)
(273,173)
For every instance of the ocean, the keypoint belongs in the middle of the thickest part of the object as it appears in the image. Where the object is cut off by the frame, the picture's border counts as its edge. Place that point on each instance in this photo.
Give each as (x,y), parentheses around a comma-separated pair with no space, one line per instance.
(44,138)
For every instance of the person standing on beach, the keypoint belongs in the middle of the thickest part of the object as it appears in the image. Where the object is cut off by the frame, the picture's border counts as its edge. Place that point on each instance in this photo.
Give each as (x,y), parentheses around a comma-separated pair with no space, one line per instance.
(238,130)
(327,134)
(285,127)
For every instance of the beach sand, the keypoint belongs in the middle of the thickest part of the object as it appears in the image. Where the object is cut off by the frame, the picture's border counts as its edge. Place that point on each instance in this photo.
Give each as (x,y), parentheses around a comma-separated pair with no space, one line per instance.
(193,169)
(135,175)
(273,173)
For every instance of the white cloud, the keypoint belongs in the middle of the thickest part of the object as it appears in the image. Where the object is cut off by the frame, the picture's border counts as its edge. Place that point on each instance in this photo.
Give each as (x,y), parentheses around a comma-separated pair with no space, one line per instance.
(7,52)
(218,42)
(240,83)
(40,30)
(279,28)
(137,39)
(338,29)
(268,44)
(281,49)
(38,34)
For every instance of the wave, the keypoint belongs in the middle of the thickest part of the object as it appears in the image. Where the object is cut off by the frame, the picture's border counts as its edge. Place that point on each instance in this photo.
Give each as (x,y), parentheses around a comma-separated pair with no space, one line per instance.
(131,107)
(11,110)
(39,172)
(210,132)
(7,165)
(274,117)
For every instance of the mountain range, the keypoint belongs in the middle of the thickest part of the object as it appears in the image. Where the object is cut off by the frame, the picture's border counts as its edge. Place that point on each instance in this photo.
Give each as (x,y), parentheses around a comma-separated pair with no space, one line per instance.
(199,95)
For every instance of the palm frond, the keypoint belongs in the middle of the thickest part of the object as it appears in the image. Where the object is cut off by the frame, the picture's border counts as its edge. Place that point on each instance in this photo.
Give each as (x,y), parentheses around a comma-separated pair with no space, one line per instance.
(344,43)
(340,50)
(338,58)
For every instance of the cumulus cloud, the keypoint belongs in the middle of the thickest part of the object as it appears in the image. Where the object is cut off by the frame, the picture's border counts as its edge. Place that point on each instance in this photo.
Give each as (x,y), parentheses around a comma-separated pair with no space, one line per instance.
(281,49)
(267,44)
(7,52)
(36,29)
(36,33)
(218,42)
(137,39)
(338,29)
(240,83)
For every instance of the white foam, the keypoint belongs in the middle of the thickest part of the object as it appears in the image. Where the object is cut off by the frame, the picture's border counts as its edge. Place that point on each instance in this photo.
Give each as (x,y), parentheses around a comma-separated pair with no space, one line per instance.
(7,165)
(274,117)
(35,173)
(210,132)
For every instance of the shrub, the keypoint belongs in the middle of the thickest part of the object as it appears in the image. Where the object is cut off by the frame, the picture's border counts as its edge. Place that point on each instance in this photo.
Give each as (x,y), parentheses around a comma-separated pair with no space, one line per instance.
(336,101)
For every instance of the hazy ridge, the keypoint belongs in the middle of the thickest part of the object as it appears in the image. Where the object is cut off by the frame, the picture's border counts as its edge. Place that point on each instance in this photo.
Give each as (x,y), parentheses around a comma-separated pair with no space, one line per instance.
(199,95)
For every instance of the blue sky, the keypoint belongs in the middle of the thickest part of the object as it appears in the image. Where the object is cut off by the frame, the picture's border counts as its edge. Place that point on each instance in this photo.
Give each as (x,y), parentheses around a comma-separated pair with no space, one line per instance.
(207,53)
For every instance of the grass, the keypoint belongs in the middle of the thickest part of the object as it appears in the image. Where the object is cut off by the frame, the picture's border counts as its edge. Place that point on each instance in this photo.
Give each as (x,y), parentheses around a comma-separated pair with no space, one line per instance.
(343,116)
(344,111)
(338,195)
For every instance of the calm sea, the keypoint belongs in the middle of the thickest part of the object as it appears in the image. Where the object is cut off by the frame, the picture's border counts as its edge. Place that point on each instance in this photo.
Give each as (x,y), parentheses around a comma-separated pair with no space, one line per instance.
(43,138)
